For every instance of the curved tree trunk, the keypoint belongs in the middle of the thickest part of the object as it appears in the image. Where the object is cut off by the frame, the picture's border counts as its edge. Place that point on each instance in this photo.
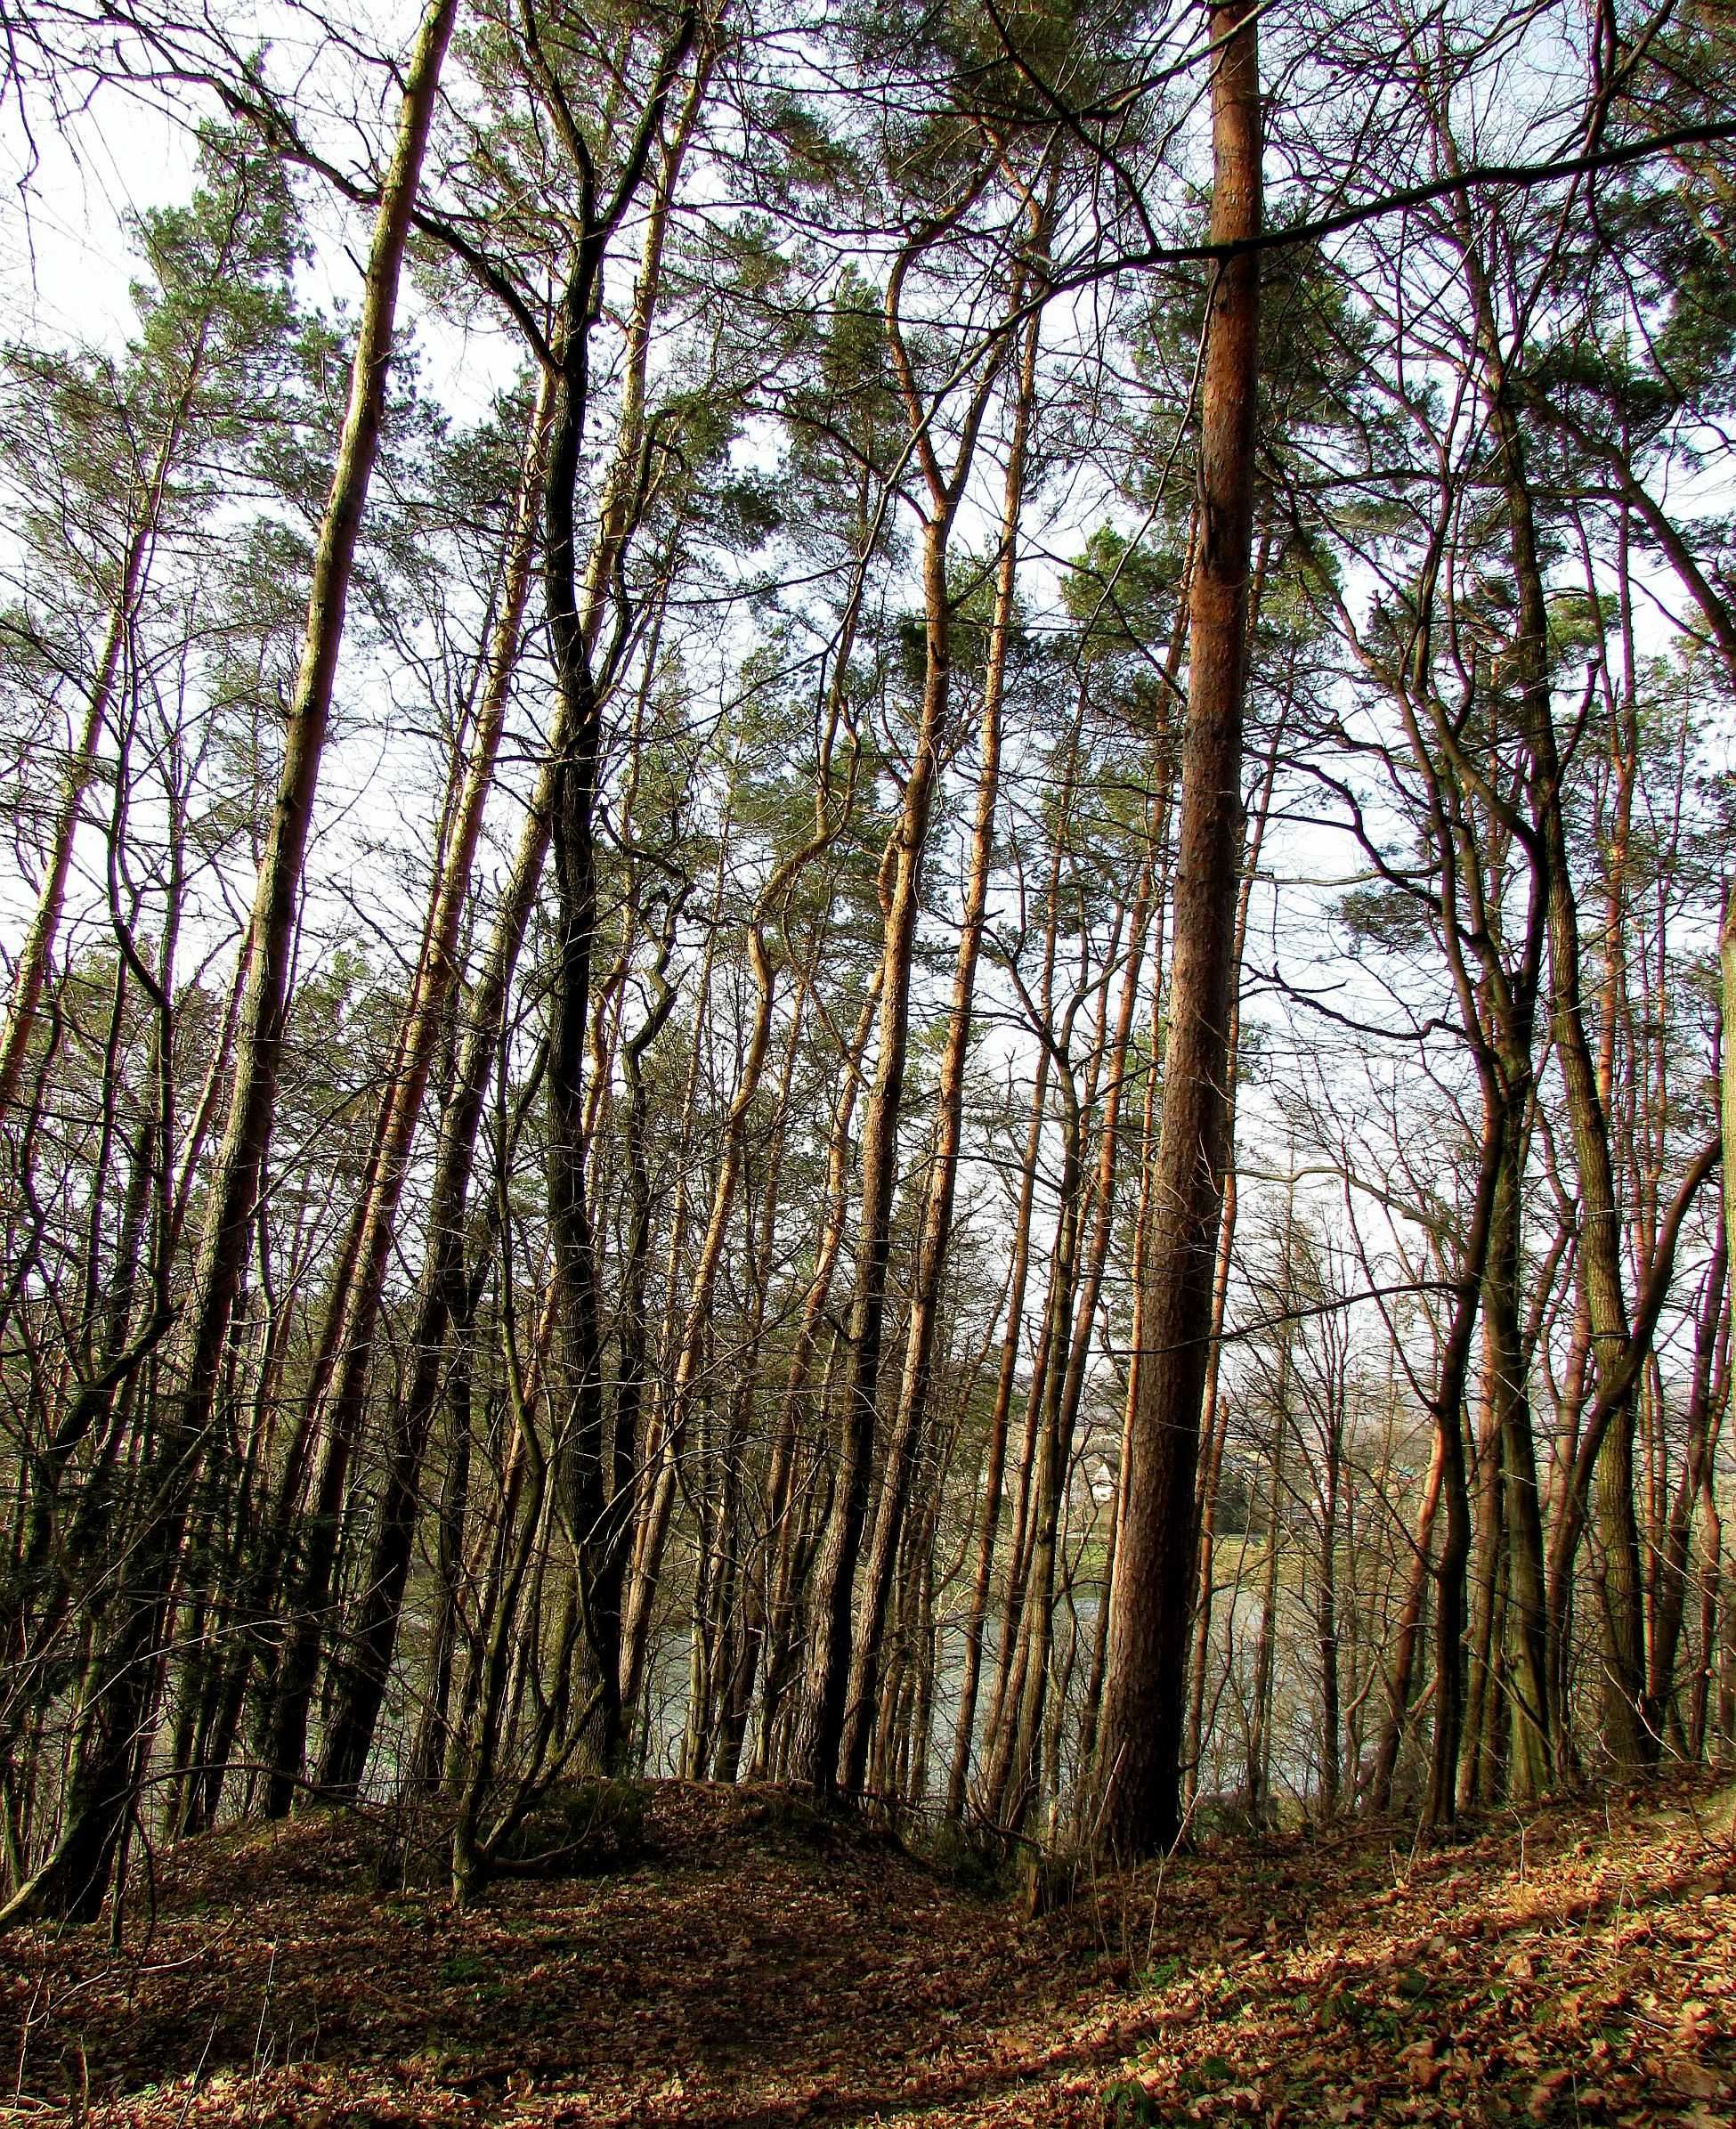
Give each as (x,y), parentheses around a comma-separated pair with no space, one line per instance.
(116,1722)
(949,1115)
(357,1307)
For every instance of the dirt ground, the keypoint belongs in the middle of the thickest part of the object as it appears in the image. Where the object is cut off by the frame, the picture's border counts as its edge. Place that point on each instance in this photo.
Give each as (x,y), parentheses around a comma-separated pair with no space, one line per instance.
(746,1962)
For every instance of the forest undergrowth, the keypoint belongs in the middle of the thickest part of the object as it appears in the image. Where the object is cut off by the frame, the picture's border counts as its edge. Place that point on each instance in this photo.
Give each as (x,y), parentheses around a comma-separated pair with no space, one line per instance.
(710,1956)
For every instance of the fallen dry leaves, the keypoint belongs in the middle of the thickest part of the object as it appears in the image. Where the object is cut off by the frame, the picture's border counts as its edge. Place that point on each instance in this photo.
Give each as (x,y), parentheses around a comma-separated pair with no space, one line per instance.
(753,1968)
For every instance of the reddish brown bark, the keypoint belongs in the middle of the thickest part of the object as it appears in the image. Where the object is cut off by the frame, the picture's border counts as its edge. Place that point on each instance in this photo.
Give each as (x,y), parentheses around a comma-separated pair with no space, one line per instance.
(1144,1706)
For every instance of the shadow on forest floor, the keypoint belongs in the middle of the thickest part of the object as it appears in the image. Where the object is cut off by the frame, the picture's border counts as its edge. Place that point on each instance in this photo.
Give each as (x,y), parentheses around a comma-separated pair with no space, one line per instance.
(753,1967)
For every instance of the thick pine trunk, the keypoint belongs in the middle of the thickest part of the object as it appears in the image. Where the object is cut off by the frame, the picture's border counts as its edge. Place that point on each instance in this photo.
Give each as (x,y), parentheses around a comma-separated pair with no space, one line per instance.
(1140,1735)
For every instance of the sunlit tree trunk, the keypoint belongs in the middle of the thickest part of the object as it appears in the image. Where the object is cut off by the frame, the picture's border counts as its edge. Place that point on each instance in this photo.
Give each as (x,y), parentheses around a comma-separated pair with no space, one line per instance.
(1144,1709)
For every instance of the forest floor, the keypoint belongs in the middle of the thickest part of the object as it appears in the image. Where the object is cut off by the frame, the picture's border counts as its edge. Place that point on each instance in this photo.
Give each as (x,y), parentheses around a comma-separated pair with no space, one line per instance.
(745,1963)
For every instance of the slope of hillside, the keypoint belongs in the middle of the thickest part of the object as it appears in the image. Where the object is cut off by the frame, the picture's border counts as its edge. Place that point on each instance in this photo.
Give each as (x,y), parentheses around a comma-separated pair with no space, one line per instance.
(742,1962)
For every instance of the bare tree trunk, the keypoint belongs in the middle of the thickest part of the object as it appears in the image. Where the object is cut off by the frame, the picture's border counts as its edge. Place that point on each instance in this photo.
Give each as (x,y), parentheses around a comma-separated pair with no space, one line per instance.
(1327,1610)
(358,1308)
(696,1320)
(30,970)
(1484,1684)
(1144,1706)
(1215,1421)
(823,1727)
(1079,1271)
(1727,1062)
(791,1529)
(1258,1773)
(1016,1725)
(1449,1568)
(590,1479)
(1619,1583)
(1401,1677)
(1708,1391)
(116,1722)
(995,1468)
(949,1111)
(828,1670)
(658,1478)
